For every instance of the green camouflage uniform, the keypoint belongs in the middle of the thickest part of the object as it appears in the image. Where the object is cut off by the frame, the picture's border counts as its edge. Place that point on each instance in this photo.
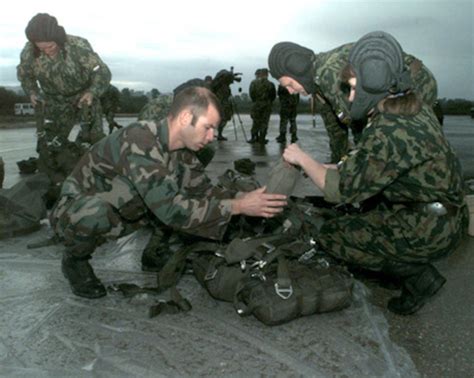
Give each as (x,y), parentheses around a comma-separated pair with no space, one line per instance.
(110,102)
(224,94)
(63,80)
(130,179)
(288,111)
(156,109)
(333,100)
(400,164)
(263,93)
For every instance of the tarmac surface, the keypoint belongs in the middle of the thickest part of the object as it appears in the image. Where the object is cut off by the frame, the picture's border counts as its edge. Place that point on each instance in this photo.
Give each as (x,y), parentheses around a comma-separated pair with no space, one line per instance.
(46,331)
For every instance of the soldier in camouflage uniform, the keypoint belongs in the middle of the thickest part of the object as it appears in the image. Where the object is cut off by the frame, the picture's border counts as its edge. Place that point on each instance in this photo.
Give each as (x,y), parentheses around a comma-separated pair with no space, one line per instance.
(158,249)
(288,111)
(262,93)
(301,70)
(145,174)
(403,176)
(221,87)
(110,102)
(70,76)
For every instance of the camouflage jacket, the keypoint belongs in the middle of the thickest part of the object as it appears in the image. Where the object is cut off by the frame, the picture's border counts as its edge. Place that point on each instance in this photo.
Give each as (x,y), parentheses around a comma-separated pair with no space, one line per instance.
(405,159)
(328,66)
(287,101)
(133,170)
(110,100)
(76,69)
(156,109)
(262,90)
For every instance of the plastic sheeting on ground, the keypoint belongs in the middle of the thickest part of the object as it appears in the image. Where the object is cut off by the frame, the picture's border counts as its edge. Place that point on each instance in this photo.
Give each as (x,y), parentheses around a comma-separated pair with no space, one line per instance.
(46,331)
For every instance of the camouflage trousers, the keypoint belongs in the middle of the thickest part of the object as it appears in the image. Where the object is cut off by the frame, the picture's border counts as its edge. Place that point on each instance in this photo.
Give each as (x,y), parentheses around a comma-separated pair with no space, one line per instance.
(286,117)
(399,234)
(260,114)
(86,220)
(57,155)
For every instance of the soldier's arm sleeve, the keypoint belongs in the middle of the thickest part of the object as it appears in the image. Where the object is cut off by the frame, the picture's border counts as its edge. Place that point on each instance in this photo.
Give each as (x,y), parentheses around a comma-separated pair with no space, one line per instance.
(25,72)
(171,203)
(376,164)
(273,92)
(198,183)
(99,72)
(252,91)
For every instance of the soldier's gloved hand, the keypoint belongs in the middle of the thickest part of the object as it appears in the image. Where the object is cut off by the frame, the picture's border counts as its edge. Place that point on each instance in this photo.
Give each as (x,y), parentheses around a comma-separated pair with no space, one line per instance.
(86,99)
(257,203)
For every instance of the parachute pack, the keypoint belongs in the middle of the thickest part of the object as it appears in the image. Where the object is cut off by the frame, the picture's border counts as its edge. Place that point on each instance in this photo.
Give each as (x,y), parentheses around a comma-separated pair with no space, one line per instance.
(269,268)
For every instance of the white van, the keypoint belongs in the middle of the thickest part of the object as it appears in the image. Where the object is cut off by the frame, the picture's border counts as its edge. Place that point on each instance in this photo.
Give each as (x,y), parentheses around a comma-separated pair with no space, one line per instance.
(24,108)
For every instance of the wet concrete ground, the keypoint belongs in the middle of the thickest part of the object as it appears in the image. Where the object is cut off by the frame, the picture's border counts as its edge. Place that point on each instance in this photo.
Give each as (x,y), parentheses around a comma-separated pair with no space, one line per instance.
(45,331)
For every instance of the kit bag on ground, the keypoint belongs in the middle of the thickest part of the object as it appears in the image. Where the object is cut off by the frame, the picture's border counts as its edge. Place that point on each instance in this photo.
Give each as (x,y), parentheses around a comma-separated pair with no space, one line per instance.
(274,278)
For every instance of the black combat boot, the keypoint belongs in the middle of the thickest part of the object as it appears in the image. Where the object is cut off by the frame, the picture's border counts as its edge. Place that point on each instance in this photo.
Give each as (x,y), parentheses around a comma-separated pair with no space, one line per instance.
(419,283)
(81,277)
(294,138)
(253,139)
(281,138)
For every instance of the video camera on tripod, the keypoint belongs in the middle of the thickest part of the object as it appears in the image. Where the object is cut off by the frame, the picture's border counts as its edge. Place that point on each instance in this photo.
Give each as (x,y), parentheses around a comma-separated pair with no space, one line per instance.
(227,77)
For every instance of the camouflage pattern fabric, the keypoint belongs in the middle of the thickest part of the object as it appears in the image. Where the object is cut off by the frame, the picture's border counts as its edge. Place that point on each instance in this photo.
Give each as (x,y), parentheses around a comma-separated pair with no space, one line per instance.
(263,93)
(332,99)
(110,102)
(288,111)
(224,94)
(63,80)
(130,179)
(156,109)
(399,165)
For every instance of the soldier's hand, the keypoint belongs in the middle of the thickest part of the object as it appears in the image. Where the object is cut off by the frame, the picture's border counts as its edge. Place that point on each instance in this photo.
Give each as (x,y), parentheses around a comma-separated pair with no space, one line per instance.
(259,204)
(34,99)
(293,154)
(86,99)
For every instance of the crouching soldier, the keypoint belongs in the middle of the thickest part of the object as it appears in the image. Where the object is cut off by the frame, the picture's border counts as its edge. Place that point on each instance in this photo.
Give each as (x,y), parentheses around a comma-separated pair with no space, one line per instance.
(146,174)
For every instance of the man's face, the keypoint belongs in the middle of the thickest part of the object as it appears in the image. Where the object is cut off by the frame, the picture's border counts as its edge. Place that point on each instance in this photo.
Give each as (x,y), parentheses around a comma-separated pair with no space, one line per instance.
(51,49)
(352,83)
(292,85)
(197,136)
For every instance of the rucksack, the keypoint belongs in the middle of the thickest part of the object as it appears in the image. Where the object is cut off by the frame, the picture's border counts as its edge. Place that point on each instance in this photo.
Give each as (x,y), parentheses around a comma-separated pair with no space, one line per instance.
(275,278)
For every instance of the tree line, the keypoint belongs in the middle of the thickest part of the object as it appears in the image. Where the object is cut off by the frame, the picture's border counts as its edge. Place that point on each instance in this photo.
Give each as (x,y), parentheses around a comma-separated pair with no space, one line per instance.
(132,102)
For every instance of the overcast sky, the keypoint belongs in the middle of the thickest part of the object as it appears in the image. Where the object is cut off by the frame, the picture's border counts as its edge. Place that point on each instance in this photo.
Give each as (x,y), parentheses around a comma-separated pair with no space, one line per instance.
(160,44)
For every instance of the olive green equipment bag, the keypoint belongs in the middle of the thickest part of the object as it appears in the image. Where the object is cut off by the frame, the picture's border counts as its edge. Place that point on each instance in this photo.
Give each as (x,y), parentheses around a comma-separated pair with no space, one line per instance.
(275,278)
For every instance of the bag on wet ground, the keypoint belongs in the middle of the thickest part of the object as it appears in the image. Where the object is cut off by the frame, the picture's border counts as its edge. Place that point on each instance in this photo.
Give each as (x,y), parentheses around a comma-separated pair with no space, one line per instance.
(22,206)
(275,278)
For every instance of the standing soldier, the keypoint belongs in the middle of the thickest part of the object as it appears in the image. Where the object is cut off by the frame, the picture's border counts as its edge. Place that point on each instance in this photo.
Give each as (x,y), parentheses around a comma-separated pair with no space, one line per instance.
(71,77)
(262,93)
(110,102)
(221,87)
(300,70)
(288,111)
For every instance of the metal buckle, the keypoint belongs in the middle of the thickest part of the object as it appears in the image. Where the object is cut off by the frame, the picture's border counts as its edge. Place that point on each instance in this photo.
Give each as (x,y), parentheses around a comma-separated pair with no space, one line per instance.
(284,292)
(210,276)
(307,255)
(270,247)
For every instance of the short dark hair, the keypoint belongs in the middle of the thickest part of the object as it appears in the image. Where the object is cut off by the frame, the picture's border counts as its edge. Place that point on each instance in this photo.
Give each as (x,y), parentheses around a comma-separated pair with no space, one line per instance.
(197,100)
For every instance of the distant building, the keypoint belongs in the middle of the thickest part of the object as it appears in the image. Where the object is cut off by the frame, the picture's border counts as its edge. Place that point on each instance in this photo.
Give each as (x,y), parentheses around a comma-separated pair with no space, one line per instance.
(24,108)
